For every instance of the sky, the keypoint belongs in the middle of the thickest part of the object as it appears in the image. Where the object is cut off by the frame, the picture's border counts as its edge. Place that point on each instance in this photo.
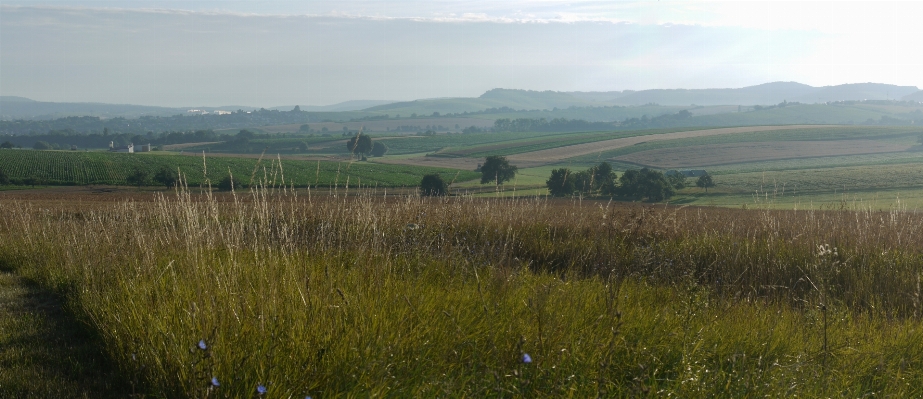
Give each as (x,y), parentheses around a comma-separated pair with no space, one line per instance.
(274,53)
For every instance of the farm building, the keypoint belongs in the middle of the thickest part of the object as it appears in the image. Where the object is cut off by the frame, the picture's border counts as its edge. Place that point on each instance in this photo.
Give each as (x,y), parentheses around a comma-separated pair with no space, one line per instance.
(125,148)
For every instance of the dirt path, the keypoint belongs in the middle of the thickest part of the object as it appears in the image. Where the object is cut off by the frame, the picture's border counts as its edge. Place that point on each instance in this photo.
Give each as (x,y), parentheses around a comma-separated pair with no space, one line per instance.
(561,153)
(44,352)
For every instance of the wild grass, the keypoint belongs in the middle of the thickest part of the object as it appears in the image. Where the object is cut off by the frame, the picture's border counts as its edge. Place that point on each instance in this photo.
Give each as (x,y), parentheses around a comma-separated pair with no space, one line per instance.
(404,296)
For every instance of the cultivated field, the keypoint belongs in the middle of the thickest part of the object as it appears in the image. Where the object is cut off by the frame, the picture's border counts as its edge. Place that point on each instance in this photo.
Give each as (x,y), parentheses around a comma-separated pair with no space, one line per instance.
(722,154)
(81,168)
(572,151)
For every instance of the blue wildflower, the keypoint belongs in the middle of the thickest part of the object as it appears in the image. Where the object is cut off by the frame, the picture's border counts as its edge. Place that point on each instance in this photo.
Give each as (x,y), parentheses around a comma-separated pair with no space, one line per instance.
(202,345)
(526,358)
(260,389)
(215,382)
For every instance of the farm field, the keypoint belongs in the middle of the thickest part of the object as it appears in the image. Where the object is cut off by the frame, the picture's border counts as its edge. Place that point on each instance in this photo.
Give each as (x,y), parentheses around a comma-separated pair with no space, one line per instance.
(82,168)
(573,151)
(339,297)
(722,154)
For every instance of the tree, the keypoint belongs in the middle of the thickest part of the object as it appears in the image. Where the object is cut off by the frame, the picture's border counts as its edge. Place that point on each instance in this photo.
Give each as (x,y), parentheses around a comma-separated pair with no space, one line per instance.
(165,176)
(4,179)
(6,144)
(359,144)
(138,177)
(561,182)
(677,179)
(497,169)
(705,182)
(432,185)
(303,146)
(42,145)
(379,149)
(645,183)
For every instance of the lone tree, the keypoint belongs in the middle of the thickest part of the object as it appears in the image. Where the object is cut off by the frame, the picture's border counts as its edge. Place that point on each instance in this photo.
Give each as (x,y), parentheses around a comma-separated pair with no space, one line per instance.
(705,182)
(561,182)
(497,169)
(137,178)
(360,144)
(433,186)
(165,176)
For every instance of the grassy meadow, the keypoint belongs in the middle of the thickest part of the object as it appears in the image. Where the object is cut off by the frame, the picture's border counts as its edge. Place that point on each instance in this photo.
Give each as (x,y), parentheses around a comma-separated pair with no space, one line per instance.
(206,295)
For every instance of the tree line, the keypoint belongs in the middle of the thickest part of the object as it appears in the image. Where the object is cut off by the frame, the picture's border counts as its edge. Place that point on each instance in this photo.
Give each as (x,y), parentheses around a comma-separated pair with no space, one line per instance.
(543,125)
(649,184)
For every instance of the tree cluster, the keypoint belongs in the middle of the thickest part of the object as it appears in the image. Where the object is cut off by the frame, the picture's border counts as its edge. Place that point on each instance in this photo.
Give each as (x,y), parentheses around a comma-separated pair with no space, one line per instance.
(645,183)
(543,125)
(599,179)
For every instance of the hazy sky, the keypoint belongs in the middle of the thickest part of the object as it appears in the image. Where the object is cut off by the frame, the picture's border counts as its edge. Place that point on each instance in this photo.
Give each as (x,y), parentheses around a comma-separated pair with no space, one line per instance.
(269,53)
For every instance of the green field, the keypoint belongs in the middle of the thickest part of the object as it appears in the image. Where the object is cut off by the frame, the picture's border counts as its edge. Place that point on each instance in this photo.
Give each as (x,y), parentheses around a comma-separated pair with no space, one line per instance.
(81,168)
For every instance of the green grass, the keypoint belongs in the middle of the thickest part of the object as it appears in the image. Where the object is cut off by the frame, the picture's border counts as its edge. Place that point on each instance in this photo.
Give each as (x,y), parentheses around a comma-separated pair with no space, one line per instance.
(80,168)
(343,298)
(45,351)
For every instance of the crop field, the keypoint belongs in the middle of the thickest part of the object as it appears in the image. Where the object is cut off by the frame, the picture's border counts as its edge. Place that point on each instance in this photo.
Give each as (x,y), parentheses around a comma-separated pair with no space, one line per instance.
(460,297)
(81,168)
(721,154)
(573,151)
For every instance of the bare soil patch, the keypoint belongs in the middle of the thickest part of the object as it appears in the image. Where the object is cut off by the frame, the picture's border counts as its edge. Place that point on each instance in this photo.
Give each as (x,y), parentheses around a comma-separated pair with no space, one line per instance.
(561,153)
(723,154)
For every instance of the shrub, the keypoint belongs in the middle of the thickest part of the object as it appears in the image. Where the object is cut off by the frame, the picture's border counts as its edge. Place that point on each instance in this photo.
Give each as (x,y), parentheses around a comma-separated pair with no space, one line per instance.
(433,185)
(379,149)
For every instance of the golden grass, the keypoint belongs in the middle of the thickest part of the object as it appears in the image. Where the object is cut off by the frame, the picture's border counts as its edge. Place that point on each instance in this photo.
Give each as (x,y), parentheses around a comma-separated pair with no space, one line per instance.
(356,295)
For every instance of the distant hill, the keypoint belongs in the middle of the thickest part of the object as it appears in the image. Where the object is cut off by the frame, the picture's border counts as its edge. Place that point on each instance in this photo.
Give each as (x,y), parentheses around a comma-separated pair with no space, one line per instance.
(917,96)
(764,94)
(351,105)
(23,108)
(14,99)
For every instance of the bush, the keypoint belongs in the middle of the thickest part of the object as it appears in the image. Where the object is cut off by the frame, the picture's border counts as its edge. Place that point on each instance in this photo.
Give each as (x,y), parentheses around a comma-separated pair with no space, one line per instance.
(379,149)
(165,176)
(561,182)
(433,186)
(645,183)
(138,177)
(226,184)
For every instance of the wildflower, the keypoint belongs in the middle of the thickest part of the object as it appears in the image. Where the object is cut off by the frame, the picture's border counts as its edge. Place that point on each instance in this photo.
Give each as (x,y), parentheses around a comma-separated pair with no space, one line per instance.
(260,389)
(215,382)
(526,358)
(202,345)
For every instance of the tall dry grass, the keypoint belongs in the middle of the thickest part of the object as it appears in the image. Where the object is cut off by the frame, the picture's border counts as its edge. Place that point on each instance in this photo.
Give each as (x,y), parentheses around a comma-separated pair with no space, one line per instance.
(351,294)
